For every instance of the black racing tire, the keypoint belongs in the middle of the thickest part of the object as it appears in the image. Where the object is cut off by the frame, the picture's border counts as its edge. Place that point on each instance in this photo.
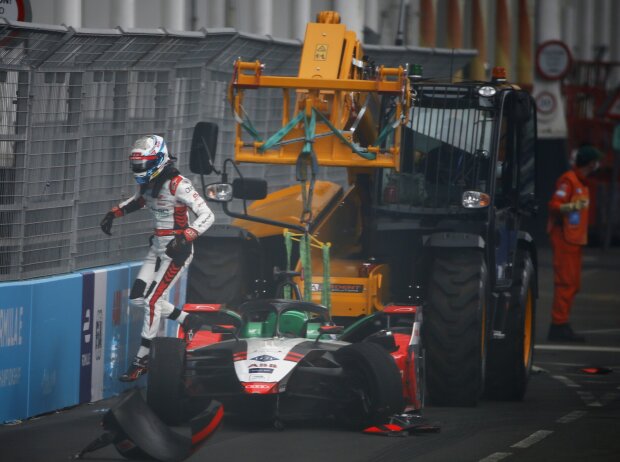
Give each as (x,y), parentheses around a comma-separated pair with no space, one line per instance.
(510,359)
(373,376)
(165,393)
(455,327)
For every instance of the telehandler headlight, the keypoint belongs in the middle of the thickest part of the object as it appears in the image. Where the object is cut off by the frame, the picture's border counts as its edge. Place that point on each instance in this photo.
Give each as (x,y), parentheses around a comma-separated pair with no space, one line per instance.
(219,192)
(475,200)
(487,91)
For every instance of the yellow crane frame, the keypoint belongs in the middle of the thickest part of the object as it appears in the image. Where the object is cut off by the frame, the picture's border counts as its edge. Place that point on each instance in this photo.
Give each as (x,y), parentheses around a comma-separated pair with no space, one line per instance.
(331,89)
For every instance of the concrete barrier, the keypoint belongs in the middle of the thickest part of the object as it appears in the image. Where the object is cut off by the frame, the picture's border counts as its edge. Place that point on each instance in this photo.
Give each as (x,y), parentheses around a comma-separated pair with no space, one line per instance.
(64,340)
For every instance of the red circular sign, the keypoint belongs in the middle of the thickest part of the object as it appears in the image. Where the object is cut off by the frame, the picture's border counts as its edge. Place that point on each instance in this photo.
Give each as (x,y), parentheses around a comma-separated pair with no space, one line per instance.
(16,10)
(553,59)
(546,102)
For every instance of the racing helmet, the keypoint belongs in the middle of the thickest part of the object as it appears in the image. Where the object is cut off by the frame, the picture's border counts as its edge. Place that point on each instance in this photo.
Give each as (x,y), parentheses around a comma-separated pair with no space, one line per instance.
(148,158)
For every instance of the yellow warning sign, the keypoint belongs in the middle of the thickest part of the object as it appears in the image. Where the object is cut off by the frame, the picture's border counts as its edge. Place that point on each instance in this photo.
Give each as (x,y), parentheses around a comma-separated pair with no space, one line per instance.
(320,52)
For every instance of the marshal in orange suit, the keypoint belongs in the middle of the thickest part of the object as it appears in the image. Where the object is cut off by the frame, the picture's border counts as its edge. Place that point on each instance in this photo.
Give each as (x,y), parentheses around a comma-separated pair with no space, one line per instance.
(568,231)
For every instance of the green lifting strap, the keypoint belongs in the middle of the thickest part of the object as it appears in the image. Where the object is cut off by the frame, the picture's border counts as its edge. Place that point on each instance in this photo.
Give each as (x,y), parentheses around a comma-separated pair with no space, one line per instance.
(309,129)
(306,158)
(387,130)
(365,154)
(288,243)
(305,247)
(384,134)
(306,264)
(251,130)
(277,136)
(301,168)
(246,123)
(326,290)
(310,133)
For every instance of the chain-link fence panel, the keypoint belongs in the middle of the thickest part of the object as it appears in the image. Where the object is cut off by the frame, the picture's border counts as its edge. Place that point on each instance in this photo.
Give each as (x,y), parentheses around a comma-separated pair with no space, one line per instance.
(72,101)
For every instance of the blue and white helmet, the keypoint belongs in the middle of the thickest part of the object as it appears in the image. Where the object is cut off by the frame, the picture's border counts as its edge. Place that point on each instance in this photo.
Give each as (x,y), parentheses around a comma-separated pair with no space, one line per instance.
(148,158)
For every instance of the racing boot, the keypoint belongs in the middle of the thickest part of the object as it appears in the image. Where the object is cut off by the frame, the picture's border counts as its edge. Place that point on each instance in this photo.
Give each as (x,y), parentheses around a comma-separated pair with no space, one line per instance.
(136,370)
(191,325)
(563,333)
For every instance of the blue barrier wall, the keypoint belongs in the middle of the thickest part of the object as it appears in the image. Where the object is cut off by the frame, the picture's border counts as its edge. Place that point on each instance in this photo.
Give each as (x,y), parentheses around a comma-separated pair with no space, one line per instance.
(15,314)
(64,340)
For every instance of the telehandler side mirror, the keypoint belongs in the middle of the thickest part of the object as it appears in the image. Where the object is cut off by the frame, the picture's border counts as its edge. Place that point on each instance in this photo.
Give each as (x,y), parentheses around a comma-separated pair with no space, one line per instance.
(202,150)
(250,189)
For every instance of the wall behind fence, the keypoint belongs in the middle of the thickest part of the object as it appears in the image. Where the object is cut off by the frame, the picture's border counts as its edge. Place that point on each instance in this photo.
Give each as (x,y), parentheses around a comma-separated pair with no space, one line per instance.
(73,101)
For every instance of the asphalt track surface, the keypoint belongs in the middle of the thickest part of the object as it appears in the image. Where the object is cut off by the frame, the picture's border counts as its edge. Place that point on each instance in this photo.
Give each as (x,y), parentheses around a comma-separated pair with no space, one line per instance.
(566,415)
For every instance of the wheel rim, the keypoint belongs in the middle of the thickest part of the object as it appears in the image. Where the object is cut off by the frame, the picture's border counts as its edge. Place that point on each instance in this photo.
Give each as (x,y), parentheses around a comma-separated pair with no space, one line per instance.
(527,334)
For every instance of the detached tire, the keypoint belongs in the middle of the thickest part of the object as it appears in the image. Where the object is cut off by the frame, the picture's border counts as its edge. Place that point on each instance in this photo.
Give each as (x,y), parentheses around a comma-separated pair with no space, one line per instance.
(165,394)
(510,359)
(373,375)
(455,327)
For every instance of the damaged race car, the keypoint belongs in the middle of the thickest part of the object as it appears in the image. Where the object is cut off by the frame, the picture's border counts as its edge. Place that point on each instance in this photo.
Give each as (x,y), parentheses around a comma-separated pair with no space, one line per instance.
(284,360)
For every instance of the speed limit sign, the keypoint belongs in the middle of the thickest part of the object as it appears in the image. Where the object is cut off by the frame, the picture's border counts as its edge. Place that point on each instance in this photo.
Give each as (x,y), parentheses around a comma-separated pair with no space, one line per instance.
(546,102)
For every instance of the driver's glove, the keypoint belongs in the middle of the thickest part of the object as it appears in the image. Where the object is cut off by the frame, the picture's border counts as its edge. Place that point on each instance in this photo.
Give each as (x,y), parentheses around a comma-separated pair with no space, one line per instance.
(179,249)
(106,223)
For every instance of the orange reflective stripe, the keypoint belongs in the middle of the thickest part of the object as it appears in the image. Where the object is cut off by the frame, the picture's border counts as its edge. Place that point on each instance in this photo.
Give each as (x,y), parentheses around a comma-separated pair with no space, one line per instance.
(168,232)
(575,224)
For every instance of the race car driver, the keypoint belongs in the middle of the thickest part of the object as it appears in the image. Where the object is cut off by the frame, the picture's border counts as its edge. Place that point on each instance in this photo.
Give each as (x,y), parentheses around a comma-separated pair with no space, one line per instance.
(168,195)
(568,231)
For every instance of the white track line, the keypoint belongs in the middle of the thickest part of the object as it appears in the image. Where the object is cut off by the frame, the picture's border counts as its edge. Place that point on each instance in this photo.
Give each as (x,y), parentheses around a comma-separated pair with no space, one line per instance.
(571,417)
(496,456)
(532,439)
(589,399)
(600,331)
(578,348)
(566,381)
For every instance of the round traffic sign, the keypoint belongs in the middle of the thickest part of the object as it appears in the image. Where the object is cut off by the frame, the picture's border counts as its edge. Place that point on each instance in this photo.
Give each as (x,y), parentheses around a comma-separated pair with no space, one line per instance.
(553,59)
(546,102)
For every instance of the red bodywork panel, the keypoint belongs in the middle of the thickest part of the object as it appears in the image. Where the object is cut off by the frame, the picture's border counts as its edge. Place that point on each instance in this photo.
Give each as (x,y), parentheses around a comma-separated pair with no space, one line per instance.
(405,361)
(202,337)
(401,309)
(260,388)
(405,356)
(198,307)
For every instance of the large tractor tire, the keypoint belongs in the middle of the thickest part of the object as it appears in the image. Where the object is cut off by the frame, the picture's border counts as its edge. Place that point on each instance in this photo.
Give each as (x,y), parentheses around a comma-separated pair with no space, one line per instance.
(165,389)
(510,359)
(374,377)
(455,327)
(225,264)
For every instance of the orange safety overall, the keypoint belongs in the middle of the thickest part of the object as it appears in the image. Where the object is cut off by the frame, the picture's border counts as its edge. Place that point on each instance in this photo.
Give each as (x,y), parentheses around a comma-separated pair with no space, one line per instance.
(568,233)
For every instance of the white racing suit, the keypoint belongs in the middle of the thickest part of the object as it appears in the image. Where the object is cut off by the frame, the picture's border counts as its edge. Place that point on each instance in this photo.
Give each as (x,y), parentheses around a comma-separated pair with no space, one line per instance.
(159,272)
